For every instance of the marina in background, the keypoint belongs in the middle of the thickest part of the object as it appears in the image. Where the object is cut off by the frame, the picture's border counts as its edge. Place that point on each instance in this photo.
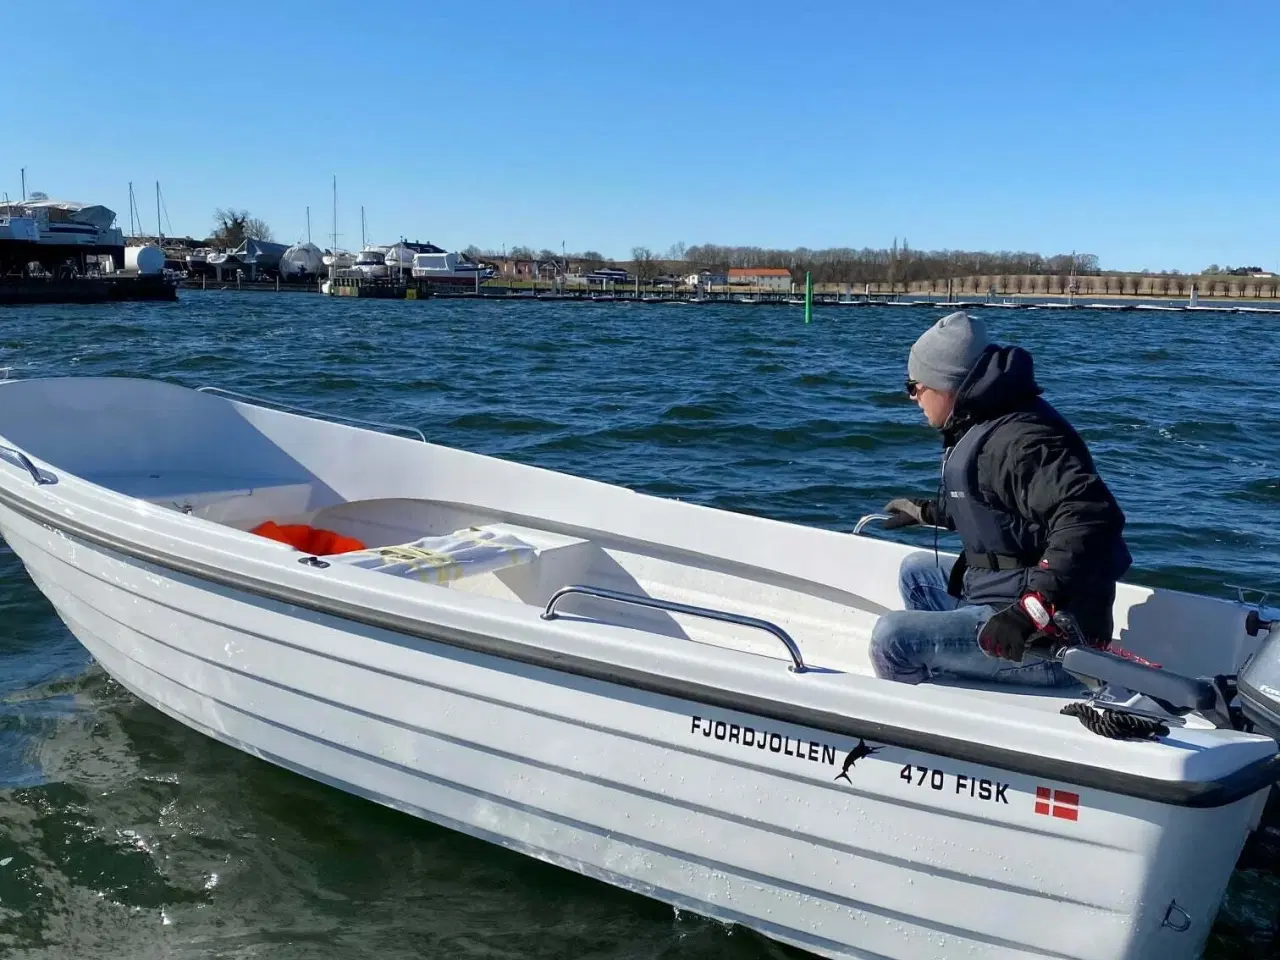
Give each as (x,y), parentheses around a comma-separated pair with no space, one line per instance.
(62,251)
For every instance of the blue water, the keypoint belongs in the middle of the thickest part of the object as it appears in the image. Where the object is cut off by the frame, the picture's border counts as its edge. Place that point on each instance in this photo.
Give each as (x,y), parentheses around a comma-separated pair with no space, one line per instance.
(131,836)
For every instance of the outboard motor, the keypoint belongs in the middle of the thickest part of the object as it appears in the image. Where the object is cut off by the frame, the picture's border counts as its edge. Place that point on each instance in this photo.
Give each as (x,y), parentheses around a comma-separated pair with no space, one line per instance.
(1123,684)
(1259,681)
(1132,699)
(1258,689)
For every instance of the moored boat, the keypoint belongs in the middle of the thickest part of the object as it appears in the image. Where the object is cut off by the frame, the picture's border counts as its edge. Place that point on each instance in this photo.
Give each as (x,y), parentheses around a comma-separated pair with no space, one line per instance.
(53,233)
(449,269)
(668,697)
(301,261)
(371,262)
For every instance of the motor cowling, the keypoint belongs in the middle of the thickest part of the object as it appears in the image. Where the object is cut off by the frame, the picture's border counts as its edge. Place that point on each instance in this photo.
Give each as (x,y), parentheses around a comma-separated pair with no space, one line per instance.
(1259,683)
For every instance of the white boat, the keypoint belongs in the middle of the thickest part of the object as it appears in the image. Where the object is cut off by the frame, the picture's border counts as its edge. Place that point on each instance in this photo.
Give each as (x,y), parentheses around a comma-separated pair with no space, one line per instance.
(399,257)
(372,262)
(746,766)
(250,257)
(62,223)
(449,269)
(302,260)
(340,260)
(53,232)
(198,258)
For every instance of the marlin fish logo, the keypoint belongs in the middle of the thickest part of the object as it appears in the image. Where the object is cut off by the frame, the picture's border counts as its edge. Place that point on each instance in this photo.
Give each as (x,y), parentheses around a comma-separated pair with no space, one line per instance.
(856,754)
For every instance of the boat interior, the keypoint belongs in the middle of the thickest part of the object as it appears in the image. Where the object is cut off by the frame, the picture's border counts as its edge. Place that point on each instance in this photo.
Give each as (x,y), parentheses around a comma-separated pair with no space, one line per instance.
(225,461)
(830,627)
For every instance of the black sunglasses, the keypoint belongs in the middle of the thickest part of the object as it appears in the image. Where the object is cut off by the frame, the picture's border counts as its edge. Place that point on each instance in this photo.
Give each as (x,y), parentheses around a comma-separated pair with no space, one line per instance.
(912,388)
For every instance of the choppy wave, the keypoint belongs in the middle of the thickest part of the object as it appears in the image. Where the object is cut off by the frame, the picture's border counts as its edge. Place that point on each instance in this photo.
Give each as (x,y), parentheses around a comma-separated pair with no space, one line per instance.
(508,423)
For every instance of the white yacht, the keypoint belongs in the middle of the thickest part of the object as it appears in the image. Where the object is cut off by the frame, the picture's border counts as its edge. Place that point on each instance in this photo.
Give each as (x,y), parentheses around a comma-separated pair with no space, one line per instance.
(340,260)
(52,232)
(449,269)
(372,262)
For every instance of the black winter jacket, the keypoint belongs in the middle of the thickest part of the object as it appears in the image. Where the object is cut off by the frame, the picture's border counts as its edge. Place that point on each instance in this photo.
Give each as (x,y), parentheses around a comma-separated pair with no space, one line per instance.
(1038,467)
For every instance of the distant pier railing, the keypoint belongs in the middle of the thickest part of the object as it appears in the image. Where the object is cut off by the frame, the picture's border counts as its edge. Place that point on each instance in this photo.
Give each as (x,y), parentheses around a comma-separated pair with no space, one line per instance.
(981,290)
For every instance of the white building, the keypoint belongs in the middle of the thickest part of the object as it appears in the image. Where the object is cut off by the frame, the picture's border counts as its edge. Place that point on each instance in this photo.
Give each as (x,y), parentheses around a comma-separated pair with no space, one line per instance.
(761,278)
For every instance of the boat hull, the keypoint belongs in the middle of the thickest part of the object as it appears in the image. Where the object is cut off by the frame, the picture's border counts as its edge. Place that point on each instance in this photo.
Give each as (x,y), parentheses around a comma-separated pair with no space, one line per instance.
(844,847)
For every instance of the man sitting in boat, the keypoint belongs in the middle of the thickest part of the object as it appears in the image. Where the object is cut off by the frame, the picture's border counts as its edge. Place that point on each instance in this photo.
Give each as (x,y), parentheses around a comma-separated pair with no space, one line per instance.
(1041,532)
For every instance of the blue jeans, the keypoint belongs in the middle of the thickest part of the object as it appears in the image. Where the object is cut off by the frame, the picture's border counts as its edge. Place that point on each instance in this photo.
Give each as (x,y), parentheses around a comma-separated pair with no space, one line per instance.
(937,635)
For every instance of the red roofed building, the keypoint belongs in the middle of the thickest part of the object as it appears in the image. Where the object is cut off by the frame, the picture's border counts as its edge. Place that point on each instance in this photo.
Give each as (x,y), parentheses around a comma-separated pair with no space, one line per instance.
(761,278)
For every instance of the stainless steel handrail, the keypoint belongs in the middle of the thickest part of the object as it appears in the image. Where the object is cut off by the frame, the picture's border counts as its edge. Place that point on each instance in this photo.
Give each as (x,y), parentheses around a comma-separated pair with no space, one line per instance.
(869,518)
(874,517)
(671,606)
(25,461)
(294,408)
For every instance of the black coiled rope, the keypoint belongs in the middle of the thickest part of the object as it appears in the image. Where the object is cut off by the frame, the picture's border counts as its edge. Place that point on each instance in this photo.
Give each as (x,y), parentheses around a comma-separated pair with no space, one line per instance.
(1117,726)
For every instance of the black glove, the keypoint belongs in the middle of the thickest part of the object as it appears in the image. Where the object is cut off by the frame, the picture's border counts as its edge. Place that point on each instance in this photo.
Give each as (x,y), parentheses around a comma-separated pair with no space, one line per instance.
(1007,634)
(904,512)
(1030,621)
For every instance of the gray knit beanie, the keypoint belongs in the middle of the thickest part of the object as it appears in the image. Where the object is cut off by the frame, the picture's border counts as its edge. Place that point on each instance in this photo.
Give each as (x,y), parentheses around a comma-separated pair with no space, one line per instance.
(947,351)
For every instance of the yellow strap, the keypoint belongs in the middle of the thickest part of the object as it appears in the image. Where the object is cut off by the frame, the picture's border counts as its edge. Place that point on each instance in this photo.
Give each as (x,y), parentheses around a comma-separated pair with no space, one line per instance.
(415,555)
(435,566)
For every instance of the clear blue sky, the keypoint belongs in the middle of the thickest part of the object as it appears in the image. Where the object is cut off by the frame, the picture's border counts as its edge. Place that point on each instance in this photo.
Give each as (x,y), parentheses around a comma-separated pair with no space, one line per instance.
(1144,132)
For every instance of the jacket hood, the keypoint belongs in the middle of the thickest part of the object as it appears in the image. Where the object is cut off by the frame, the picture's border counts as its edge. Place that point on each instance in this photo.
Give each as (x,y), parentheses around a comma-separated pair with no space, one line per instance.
(1003,380)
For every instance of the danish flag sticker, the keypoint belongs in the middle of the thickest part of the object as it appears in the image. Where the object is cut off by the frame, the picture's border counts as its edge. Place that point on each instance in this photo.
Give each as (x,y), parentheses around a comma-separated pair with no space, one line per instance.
(1057,803)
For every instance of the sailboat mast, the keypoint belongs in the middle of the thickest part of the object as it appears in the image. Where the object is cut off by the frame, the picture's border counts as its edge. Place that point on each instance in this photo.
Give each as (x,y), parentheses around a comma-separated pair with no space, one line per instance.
(335,214)
(363,241)
(159,232)
(308,224)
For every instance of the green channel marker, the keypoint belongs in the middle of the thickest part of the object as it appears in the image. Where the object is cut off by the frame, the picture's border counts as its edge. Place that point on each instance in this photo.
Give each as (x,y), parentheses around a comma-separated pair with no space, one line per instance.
(808,296)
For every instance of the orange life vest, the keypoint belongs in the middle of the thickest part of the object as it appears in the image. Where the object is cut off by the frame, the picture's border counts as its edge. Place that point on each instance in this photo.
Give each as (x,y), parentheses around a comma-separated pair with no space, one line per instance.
(312,540)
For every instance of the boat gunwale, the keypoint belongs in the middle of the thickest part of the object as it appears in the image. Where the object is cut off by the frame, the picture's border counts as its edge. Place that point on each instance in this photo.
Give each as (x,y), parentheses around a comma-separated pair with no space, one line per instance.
(1203,794)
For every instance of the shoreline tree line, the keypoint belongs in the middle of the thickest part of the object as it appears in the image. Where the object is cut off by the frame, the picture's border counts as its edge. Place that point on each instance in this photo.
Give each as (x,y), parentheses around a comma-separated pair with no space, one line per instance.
(897,263)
